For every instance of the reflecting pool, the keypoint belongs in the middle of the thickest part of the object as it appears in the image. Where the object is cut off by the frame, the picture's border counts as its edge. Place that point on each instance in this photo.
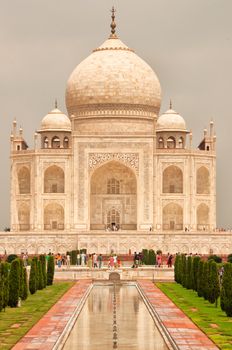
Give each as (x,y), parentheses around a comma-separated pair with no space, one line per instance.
(115,317)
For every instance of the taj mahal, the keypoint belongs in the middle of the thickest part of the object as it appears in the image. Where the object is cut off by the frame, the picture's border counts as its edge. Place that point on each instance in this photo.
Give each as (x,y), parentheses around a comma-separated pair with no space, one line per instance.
(113,173)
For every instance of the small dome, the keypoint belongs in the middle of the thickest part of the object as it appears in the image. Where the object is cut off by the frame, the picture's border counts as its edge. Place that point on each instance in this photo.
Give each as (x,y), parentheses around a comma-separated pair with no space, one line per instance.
(112,74)
(55,121)
(170,121)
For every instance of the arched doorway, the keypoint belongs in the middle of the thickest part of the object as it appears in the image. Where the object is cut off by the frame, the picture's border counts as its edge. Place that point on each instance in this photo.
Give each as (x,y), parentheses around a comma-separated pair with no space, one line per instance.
(113,198)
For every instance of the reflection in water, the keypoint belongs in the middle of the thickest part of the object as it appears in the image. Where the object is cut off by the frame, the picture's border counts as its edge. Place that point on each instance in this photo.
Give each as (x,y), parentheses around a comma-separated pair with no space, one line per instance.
(94,330)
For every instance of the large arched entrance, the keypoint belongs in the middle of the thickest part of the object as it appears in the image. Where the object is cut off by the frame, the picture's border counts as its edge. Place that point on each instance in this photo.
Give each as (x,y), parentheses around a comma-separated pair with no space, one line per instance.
(113,198)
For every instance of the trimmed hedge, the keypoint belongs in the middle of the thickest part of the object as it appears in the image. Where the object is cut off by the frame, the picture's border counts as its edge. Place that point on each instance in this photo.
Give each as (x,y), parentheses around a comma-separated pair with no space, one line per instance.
(14,283)
(50,270)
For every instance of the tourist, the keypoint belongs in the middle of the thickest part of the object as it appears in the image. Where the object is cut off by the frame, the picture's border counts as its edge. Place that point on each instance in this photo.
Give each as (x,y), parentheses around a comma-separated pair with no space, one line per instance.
(58,260)
(68,261)
(221,272)
(169,262)
(99,259)
(83,259)
(94,260)
(78,258)
(159,260)
(115,260)
(90,261)
(111,262)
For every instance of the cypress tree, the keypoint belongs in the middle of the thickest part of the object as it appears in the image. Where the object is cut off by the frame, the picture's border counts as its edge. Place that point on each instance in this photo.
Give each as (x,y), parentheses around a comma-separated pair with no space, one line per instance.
(14,280)
(214,286)
(1,287)
(195,265)
(42,258)
(226,292)
(200,278)
(151,257)
(145,256)
(185,272)
(36,273)
(33,276)
(189,273)
(182,269)
(40,275)
(21,279)
(5,271)
(205,280)
(50,270)
(25,285)
(177,269)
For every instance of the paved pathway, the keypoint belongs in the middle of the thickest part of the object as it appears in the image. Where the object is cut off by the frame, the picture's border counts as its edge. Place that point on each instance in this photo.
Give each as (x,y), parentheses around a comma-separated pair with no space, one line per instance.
(183,331)
(44,334)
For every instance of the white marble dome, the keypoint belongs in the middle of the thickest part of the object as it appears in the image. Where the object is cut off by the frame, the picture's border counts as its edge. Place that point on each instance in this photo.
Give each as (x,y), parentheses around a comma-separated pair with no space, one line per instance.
(55,121)
(170,121)
(112,74)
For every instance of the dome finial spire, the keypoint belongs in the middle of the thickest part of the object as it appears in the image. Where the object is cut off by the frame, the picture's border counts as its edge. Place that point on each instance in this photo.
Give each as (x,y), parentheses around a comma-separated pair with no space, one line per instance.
(170,104)
(113,24)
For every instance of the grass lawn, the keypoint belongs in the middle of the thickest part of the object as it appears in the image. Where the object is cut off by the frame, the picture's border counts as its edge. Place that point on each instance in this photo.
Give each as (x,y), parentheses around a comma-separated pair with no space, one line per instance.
(213,321)
(15,322)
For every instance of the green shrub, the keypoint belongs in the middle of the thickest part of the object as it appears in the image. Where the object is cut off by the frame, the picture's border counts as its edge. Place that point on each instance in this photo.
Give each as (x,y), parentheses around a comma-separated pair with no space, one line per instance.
(226,292)
(205,281)
(11,257)
(200,278)
(73,257)
(214,286)
(1,289)
(183,269)
(40,275)
(195,265)
(25,285)
(229,258)
(216,258)
(33,276)
(14,280)
(50,270)
(177,268)
(151,257)
(42,258)
(5,273)
(21,279)
(189,276)
(145,256)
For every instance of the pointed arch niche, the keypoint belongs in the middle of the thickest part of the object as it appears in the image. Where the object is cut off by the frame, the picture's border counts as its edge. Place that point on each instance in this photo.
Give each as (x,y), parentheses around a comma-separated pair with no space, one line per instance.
(53,217)
(24,180)
(24,217)
(172,217)
(172,180)
(54,180)
(203,217)
(113,198)
(203,180)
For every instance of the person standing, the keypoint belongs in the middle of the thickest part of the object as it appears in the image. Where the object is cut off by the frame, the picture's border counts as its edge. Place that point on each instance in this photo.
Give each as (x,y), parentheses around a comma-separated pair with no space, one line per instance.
(99,259)
(94,260)
(68,261)
(83,259)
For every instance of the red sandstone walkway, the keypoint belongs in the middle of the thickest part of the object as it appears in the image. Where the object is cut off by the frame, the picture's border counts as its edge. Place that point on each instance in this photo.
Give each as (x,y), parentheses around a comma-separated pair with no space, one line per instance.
(183,331)
(44,334)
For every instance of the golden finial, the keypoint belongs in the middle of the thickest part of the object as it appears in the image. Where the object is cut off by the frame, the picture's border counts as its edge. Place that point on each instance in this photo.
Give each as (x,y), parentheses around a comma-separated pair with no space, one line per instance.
(56,103)
(113,24)
(170,104)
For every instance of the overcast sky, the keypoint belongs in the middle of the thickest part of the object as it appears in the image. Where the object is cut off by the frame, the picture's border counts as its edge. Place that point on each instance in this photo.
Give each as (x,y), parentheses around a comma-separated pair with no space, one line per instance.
(187,42)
